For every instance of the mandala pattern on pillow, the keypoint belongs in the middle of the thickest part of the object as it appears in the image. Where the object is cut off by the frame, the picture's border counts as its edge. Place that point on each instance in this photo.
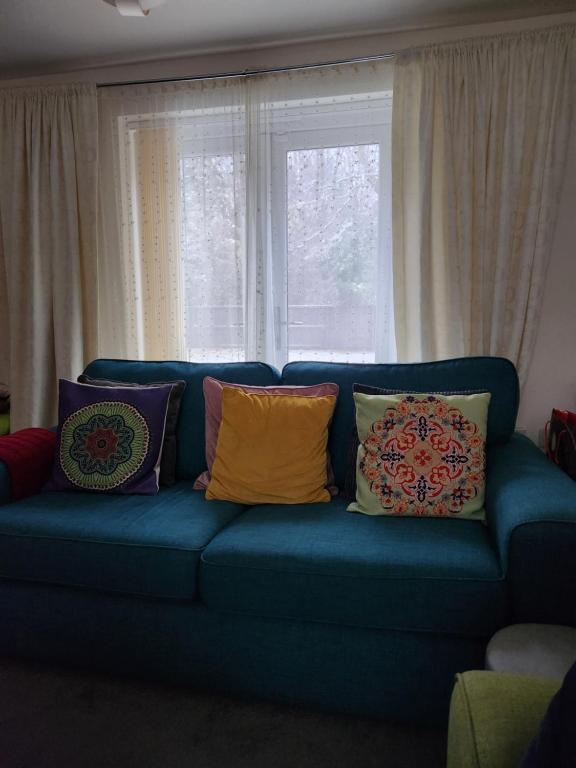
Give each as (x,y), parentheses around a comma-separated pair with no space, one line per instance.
(424,457)
(103,445)
(109,439)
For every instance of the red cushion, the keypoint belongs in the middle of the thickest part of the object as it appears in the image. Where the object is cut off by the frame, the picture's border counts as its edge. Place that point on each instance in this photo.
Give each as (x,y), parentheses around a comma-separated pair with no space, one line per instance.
(28,457)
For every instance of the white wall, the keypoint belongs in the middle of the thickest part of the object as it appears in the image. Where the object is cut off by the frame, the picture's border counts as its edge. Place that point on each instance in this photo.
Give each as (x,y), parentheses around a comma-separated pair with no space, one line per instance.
(310,52)
(551,380)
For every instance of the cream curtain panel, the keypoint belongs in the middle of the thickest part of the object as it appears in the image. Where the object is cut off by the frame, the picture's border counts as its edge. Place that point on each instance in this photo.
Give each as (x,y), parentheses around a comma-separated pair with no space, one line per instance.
(48,220)
(228,209)
(480,134)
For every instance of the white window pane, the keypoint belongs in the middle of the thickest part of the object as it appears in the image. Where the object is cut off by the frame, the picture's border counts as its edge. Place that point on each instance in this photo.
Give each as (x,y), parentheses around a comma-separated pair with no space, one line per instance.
(213,253)
(332,245)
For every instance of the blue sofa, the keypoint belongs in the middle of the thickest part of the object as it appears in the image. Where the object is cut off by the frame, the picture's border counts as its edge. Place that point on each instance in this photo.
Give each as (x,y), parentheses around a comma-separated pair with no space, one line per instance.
(308,604)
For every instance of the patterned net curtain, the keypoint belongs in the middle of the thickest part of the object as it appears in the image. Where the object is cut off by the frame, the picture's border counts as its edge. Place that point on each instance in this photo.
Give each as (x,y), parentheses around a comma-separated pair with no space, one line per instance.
(248,217)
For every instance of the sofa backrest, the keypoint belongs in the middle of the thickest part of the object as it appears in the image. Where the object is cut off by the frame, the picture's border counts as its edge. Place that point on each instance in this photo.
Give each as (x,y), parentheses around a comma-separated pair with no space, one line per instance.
(487,374)
(191,447)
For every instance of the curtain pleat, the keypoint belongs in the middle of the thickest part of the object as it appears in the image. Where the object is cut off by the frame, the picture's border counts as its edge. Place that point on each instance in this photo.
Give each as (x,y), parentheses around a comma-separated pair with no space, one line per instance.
(479,136)
(48,267)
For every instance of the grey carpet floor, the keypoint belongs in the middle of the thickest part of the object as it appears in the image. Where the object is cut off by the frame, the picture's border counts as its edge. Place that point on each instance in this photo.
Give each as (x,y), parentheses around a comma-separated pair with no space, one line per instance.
(67,719)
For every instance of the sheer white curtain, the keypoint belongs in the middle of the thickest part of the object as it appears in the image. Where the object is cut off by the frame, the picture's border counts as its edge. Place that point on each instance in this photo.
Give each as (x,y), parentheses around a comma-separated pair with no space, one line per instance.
(479,140)
(48,225)
(248,217)
(324,177)
(172,244)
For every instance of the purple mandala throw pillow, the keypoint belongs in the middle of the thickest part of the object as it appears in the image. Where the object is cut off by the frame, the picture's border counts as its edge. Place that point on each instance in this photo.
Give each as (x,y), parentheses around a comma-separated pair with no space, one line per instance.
(109,439)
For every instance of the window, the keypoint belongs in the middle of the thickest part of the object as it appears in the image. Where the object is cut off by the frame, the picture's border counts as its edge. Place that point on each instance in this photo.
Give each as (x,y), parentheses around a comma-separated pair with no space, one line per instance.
(330,249)
(253,218)
(331,211)
(330,187)
(211,257)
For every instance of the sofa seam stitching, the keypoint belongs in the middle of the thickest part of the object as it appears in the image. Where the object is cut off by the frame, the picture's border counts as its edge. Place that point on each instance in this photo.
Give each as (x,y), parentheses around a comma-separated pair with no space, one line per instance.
(102,590)
(253,613)
(106,542)
(348,576)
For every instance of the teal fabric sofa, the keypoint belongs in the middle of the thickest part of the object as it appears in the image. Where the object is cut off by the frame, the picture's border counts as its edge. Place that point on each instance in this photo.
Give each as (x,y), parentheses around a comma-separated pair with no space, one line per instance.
(307,604)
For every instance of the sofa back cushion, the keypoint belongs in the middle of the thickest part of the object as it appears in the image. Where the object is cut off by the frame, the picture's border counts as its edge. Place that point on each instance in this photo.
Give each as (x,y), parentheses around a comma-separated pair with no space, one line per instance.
(488,374)
(191,440)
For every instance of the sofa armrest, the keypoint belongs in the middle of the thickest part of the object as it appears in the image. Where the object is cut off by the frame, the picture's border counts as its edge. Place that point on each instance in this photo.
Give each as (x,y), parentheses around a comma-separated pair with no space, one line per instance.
(5,484)
(531,511)
(25,461)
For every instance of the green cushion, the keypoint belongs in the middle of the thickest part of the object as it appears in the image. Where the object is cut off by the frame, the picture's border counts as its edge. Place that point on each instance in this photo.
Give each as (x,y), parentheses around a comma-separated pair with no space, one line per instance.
(4,423)
(318,562)
(451,428)
(147,545)
(494,716)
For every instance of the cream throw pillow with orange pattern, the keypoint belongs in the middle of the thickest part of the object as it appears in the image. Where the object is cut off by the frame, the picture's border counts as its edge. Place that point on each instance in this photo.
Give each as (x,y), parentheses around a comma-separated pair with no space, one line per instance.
(421,455)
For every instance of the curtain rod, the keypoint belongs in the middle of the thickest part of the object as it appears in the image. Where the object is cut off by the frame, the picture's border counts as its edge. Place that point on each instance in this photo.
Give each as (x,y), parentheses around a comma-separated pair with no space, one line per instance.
(248,72)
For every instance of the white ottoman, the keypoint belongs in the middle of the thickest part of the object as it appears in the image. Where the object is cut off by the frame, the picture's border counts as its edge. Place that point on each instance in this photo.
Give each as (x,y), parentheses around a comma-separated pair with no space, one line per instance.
(543,650)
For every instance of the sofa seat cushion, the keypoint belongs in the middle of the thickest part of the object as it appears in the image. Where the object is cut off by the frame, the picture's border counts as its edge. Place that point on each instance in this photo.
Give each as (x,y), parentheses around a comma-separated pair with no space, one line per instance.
(145,545)
(318,562)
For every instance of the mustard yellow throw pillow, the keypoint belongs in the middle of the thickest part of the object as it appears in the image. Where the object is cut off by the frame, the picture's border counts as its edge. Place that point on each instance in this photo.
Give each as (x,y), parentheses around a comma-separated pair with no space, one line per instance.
(271,449)
(421,455)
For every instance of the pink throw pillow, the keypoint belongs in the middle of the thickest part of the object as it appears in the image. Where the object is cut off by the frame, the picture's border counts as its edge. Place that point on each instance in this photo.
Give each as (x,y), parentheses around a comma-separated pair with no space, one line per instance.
(213,389)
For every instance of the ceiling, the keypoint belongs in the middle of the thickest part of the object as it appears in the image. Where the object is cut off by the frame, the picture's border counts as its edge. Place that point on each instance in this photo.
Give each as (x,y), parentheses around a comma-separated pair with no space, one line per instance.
(45,36)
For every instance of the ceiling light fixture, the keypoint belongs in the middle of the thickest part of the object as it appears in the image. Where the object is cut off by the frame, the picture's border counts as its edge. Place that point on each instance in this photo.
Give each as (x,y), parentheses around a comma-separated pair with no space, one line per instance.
(134,7)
